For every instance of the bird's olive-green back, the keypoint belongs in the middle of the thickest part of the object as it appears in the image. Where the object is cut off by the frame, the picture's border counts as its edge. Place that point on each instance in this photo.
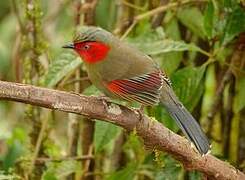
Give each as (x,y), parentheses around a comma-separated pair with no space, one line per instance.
(122,62)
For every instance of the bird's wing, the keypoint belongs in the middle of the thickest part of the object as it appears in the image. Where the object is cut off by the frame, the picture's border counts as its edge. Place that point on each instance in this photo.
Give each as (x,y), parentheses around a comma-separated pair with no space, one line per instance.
(144,89)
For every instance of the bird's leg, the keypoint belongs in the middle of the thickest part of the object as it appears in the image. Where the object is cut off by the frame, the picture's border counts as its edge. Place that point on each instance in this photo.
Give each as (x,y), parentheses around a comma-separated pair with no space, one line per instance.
(141,111)
(76,93)
(104,98)
(142,108)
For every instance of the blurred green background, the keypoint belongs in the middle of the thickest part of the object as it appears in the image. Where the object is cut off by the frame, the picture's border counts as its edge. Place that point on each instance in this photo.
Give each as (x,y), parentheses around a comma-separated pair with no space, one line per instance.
(199,44)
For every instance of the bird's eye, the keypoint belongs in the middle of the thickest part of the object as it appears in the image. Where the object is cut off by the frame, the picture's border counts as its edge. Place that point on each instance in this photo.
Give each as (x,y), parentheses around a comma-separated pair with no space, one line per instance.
(86,47)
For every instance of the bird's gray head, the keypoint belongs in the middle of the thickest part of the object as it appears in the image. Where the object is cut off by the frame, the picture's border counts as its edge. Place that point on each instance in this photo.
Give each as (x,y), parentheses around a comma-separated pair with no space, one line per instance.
(91,33)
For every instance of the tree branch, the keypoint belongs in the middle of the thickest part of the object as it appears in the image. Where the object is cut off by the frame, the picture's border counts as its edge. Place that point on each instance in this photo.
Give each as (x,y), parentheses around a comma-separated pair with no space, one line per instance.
(154,134)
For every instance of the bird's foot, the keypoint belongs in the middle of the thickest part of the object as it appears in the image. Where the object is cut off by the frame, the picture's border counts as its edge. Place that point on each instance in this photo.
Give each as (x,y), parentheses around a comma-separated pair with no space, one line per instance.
(141,112)
(76,93)
(104,98)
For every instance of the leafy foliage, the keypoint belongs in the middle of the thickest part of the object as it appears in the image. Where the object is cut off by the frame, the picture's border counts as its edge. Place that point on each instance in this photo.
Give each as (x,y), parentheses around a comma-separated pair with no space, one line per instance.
(191,93)
(15,149)
(170,61)
(192,18)
(104,134)
(126,173)
(209,20)
(164,46)
(192,42)
(235,24)
(59,170)
(63,65)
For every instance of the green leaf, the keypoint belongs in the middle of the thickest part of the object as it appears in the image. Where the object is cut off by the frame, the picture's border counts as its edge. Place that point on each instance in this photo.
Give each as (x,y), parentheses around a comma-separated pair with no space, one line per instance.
(209,19)
(229,4)
(15,148)
(240,97)
(60,67)
(188,86)
(163,116)
(152,43)
(126,173)
(194,175)
(51,149)
(49,176)
(192,18)
(171,169)
(59,170)
(165,46)
(104,134)
(91,90)
(235,24)
(170,61)
(102,17)
(144,33)
(133,146)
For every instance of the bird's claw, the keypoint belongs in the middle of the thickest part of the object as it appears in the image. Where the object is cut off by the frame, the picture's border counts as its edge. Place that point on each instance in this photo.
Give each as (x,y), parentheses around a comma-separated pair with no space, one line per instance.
(141,112)
(76,93)
(104,98)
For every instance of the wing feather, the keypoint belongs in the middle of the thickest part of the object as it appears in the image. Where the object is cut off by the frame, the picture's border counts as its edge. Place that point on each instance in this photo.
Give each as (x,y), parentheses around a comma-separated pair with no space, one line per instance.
(144,89)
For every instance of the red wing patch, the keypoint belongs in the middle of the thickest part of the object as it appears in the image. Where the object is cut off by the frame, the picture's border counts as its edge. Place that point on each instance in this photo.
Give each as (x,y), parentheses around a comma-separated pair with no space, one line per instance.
(144,89)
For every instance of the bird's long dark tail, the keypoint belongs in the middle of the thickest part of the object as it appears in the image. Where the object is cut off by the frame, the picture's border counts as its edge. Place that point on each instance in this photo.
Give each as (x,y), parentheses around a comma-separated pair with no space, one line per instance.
(184,119)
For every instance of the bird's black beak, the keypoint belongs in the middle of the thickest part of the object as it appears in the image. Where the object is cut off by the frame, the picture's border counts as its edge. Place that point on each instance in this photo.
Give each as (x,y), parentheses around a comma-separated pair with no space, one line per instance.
(71,46)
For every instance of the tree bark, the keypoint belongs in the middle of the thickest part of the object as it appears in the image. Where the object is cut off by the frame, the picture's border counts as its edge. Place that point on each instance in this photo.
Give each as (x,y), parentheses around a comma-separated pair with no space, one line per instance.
(154,134)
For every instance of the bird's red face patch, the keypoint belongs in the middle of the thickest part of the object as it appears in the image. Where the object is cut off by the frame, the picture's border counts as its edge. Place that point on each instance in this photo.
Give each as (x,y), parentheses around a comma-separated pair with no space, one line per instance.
(92,52)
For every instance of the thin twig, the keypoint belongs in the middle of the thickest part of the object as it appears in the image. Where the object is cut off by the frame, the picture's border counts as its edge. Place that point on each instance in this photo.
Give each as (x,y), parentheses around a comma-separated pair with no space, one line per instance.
(16,57)
(88,126)
(75,158)
(158,18)
(236,61)
(32,74)
(87,162)
(228,116)
(17,14)
(41,160)
(38,144)
(157,10)
(164,8)
(73,129)
(128,30)
(132,5)
(214,108)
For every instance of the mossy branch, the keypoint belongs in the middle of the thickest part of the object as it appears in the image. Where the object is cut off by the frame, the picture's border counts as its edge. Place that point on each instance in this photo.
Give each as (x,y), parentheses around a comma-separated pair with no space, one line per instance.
(154,134)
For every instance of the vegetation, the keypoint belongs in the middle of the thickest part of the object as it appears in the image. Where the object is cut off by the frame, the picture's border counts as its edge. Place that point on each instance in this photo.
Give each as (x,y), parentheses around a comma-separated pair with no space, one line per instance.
(200,44)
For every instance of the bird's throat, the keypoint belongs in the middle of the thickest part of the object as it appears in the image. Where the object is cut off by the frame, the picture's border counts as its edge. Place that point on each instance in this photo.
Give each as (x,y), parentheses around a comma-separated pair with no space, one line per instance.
(96,53)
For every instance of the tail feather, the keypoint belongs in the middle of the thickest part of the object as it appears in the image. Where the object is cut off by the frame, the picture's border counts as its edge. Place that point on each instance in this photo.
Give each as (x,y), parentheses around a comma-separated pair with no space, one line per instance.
(184,120)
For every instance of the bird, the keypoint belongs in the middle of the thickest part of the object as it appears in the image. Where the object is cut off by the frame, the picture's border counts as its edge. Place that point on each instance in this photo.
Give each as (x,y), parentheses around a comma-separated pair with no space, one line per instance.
(122,71)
